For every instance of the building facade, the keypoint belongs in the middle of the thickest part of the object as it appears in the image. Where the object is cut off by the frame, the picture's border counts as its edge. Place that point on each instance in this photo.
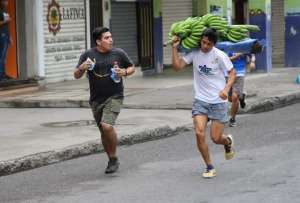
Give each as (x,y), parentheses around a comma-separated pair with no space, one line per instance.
(49,35)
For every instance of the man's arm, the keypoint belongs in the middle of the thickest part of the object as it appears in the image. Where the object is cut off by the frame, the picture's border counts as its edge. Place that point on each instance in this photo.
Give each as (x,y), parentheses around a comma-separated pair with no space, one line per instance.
(130,70)
(79,72)
(235,56)
(177,61)
(125,71)
(231,77)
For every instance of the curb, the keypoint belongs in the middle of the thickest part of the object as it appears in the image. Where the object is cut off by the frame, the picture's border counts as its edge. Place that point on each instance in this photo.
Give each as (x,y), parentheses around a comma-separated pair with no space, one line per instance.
(57,103)
(272,103)
(261,105)
(75,151)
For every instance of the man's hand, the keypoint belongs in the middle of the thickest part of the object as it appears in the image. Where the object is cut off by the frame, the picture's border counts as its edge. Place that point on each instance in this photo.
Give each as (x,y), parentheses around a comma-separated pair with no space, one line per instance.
(120,72)
(87,64)
(223,94)
(236,56)
(175,41)
(8,19)
(251,66)
(239,54)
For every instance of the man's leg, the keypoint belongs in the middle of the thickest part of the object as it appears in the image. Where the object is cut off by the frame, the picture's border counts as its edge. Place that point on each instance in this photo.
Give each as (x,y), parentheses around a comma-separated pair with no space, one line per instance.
(3,51)
(109,139)
(234,108)
(105,115)
(216,133)
(218,137)
(109,142)
(200,122)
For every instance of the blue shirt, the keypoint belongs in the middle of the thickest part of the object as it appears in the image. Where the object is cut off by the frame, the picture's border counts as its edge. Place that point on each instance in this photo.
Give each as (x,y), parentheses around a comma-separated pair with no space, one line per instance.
(239,64)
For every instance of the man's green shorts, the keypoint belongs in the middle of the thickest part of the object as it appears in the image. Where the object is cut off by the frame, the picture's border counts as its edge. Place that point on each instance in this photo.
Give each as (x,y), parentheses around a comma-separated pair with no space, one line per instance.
(107,111)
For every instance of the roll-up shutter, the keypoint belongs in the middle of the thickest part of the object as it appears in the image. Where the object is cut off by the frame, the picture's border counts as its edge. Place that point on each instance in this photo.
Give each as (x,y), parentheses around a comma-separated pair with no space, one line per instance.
(173,10)
(278,32)
(63,44)
(124,28)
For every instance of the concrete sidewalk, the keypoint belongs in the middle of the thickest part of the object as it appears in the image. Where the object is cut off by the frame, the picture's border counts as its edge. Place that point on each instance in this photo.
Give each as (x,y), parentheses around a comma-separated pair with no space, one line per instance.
(155,107)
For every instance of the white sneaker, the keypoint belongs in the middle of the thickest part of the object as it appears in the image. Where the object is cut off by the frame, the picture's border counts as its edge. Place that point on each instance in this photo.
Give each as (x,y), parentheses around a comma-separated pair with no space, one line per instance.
(229,151)
(209,173)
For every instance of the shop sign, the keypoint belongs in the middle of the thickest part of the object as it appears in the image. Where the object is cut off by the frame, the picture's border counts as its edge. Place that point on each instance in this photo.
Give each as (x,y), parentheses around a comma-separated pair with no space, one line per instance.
(55,14)
(53,17)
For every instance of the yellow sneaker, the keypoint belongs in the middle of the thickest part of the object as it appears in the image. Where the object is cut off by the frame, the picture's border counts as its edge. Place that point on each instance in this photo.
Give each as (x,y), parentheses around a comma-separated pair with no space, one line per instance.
(229,151)
(209,173)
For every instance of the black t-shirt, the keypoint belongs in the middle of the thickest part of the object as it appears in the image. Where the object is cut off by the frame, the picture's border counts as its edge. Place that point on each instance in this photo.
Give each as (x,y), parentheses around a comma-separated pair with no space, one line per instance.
(4,29)
(101,84)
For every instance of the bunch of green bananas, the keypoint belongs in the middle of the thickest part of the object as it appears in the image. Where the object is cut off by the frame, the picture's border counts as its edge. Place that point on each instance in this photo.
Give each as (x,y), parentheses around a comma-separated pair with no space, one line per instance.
(191,29)
(188,30)
(216,22)
(236,33)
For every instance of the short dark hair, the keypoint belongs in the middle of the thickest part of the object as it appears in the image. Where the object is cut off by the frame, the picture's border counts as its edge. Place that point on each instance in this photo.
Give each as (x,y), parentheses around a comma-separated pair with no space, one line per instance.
(211,34)
(98,31)
(256,48)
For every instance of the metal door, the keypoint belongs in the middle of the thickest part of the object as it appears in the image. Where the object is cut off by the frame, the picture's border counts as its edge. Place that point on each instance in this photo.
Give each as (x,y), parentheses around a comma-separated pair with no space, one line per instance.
(145,28)
(124,28)
(96,17)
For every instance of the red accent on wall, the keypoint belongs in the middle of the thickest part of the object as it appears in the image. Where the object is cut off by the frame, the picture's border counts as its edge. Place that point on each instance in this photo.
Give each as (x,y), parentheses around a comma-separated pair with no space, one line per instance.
(11,67)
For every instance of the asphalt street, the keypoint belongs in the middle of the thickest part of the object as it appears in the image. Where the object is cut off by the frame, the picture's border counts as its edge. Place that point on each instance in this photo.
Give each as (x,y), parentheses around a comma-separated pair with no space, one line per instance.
(264,170)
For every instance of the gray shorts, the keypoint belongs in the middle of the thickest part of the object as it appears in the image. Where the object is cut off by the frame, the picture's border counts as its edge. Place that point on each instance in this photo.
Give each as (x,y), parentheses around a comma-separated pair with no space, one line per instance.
(238,86)
(108,111)
(217,111)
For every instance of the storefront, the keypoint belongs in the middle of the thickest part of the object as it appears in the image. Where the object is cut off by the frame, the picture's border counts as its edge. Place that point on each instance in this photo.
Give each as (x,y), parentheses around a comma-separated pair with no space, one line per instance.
(47,39)
(64,37)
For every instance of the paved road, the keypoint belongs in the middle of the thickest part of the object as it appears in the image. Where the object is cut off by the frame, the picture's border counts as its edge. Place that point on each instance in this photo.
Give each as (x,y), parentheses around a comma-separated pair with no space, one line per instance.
(265,169)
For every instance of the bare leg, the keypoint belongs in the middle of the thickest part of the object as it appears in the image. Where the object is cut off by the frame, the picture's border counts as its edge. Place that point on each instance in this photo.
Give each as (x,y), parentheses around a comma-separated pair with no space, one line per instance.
(234,104)
(200,122)
(109,139)
(217,135)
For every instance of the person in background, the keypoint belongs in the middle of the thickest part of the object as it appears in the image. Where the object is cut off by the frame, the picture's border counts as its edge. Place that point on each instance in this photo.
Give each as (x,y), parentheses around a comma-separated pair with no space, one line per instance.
(236,94)
(4,36)
(211,93)
(105,66)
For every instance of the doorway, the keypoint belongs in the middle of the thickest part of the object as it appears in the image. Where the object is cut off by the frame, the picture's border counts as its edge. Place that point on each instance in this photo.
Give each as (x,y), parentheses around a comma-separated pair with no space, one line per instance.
(240,11)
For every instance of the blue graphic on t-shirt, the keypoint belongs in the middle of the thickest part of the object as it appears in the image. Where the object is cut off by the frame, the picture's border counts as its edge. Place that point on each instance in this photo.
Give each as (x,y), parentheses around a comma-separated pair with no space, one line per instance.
(204,70)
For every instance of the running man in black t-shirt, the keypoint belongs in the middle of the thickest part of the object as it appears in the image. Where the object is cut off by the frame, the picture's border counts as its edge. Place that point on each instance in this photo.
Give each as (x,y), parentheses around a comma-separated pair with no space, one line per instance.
(105,67)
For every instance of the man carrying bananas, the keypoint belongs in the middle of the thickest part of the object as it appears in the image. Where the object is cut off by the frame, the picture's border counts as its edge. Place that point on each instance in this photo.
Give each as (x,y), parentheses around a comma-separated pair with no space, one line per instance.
(211,93)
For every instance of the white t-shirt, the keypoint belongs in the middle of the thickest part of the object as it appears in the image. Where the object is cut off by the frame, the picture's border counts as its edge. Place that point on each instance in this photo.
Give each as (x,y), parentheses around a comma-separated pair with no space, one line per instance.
(209,78)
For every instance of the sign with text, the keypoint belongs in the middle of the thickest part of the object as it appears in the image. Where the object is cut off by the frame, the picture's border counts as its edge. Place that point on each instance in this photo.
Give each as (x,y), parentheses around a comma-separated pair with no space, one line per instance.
(64,37)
